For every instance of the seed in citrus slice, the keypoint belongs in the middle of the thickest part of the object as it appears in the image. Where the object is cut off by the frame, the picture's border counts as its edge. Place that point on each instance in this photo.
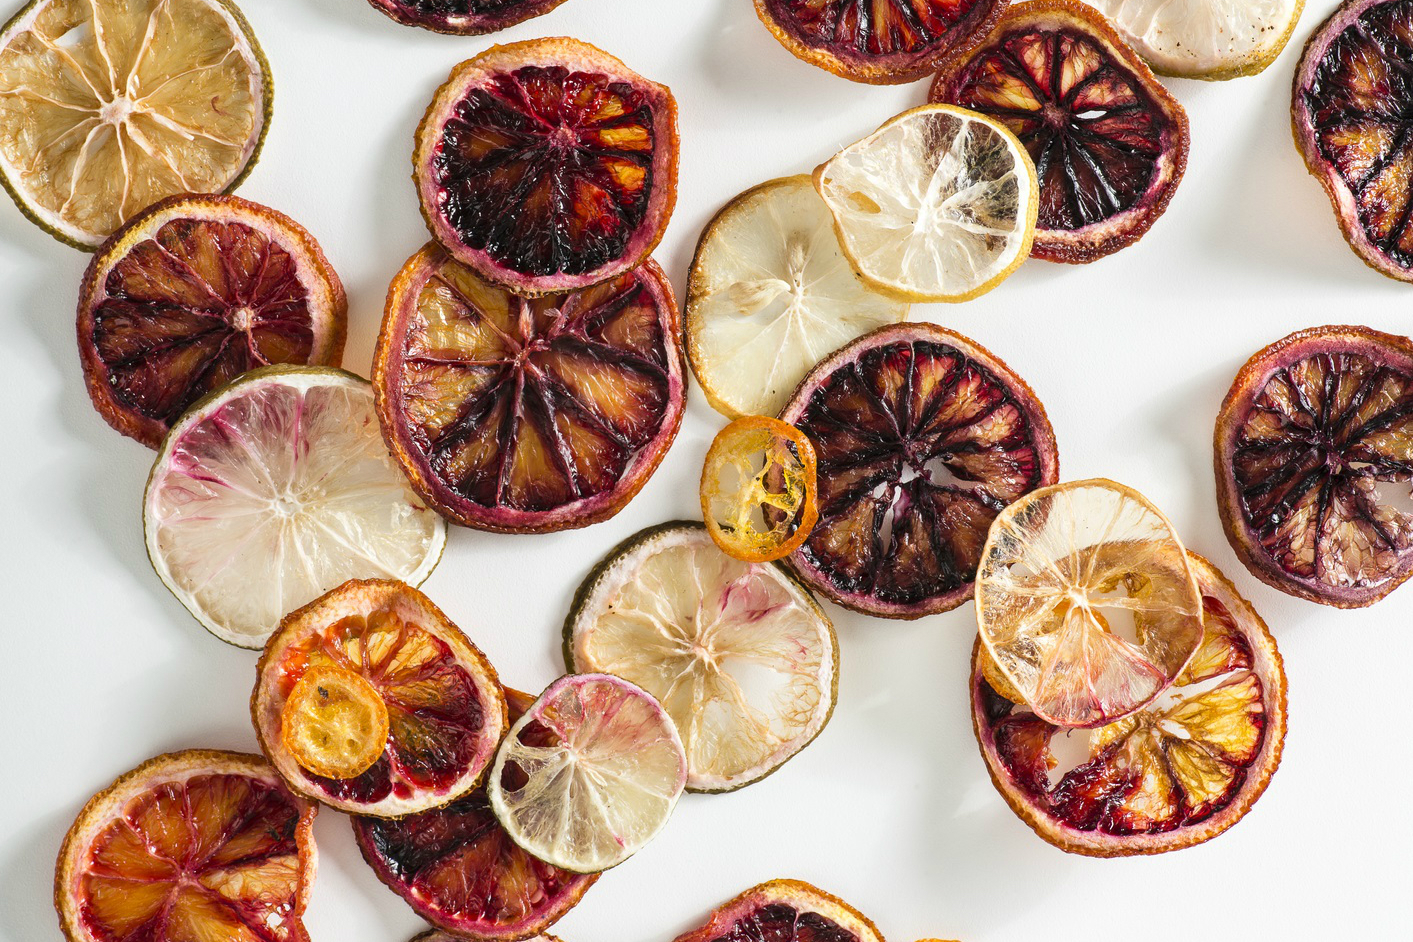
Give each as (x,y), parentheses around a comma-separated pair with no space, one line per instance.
(589,774)
(738,654)
(191,845)
(785,911)
(190,294)
(528,415)
(759,489)
(1313,448)
(1177,772)
(1086,601)
(1205,39)
(275,489)
(922,436)
(770,294)
(446,710)
(107,106)
(334,723)
(1108,141)
(463,17)
(458,868)
(547,165)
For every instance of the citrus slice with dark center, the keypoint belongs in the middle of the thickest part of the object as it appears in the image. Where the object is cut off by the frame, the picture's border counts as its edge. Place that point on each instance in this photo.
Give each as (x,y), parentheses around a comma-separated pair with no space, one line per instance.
(759,489)
(463,17)
(446,711)
(458,868)
(194,292)
(1205,39)
(441,935)
(548,165)
(1108,141)
(528,415)
(922,437)
(1177,772)
(1314,462)
(192,845)
(334,723)
(785,911)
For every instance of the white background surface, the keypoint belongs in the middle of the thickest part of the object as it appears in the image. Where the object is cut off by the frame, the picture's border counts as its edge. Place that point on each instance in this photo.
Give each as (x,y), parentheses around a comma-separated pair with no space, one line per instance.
(891,808)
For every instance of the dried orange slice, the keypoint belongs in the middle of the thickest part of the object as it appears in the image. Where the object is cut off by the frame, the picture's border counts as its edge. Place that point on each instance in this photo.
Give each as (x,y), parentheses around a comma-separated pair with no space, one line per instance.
(785,911)
(758,489)
(463,17)
(334,723)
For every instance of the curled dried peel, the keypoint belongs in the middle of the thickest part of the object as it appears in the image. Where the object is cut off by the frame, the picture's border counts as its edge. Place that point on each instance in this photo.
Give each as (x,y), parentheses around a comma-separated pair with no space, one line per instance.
(758,489)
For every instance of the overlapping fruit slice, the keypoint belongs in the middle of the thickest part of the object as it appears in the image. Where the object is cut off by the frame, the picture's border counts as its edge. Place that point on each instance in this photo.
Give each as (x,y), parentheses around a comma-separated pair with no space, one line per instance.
(446,710)
(1205,39)
(334,723)
(1175,773)
(441,935)
(191,845)
(1108,141)
(785,911)
(463,17)
(922,437)
(759,489)
(528,415)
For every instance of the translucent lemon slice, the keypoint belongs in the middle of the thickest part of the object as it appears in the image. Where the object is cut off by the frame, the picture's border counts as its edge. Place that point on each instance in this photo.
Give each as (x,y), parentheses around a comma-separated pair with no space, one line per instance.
(1205,39)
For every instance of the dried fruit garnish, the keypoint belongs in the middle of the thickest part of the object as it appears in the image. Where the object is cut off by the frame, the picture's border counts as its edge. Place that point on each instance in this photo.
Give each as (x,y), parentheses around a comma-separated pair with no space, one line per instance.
(785,911)
(334,723)
(759,489)
(463,17)
(1205,39)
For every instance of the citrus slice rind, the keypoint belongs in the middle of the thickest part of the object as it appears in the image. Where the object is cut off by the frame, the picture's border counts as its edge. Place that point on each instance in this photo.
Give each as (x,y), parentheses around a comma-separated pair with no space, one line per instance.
(334,723)
(463,17)
(1177,772)
(785,911)
(441,935)
(1205,39)
(741,657)
(758,489)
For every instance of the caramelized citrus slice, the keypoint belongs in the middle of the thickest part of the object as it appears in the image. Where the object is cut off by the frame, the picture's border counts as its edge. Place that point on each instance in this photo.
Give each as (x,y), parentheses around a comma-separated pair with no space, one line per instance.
(1205,39)
(785,911)
(334,723)
(191,845)
(758,489)
(463,17)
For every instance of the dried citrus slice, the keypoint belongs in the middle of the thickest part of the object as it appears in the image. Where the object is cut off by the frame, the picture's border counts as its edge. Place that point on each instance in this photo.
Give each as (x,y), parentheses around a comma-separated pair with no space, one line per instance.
(759,489)
(1177,772)
(441,935)
(528,415)
(334,723)
(922,436)
(192,845)
(463,17)
(785,911)
(939,204)
(1313,471)
(589,774)
(1108,141)
(1205,39)
(548,165)
(739,654)
(458,868)
(190,294)
(770,294)
(446,711)
(272,491)
(1086,601)
(107,106)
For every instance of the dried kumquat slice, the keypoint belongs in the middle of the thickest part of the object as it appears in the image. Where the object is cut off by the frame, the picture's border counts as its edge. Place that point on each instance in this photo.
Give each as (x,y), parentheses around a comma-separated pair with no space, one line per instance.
(759,490)
(334,723)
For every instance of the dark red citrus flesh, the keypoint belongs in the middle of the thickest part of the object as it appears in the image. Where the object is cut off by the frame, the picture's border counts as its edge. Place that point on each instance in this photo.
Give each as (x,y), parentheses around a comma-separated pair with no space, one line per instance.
(781,922)
(463,17)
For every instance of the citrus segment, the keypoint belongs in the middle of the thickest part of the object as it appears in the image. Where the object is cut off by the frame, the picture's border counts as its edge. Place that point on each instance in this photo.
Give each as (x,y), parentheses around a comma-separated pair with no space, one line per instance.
(785,911)
(758,489)
(463,17)
(334,723)
(1205,39)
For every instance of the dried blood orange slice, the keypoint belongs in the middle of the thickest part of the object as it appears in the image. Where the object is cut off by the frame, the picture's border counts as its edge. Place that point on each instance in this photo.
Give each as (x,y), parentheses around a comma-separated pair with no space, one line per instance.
(1205,39)
(463,17)
(446,711)
(1108,141)
(441,935)
(922,437)
(334,723)
(1177,772)
(548,165)
(190,294)
(1313,448)
(459,869)
(528,415)
(759,489)
(785,911)
(192,845)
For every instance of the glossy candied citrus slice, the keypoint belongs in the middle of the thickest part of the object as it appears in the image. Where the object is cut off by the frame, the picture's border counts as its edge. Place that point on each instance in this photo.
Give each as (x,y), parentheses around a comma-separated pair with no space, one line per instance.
(1108,142)
(334,723)
(922,436)
(1177,772)
(1313,448)
(463,17)
(785,911)
(759,489)
(446,711)
(1086,601)
(107,106)
(528,415)
(190,294)
(1205,39)
(548,165)
(192,845)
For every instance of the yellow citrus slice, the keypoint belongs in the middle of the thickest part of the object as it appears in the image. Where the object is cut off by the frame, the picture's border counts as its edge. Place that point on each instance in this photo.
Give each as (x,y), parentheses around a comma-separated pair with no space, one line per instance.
(759,490)
(1205,39)
(334,723)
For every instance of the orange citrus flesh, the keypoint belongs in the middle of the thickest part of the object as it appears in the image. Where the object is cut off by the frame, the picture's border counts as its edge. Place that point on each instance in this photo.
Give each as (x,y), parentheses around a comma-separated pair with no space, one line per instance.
(758,489)
(334,723)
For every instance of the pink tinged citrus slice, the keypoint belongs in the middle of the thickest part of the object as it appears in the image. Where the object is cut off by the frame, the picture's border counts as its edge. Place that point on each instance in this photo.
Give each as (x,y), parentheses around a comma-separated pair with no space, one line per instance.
(785,911)
(463,17)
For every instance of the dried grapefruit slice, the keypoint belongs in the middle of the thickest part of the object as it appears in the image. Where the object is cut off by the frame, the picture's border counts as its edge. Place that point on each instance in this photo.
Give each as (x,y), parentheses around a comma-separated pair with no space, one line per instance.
(528,415)
(1177,772)
(785,911)
(1108,141)
(334,723)
(548,165)
(272,491)
(1205,39)
(922,436)
(190,294)
(191,845)
(446,711)
(463,17)
(107,106)
(759,489)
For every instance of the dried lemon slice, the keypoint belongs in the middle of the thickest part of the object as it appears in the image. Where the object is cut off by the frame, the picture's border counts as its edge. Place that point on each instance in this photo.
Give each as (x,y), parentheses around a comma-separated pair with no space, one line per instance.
(1205,39)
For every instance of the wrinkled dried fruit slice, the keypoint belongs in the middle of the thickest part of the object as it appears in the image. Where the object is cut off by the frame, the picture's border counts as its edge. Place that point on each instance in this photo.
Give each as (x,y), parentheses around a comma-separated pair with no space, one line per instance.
(191,845)
(759,489)
(1314,462)
(441,935)
(107,106)
(1086,601)
(334,723)
(547,165)
(922,437)
(785,911)
(194,292)
(1177,772)
(528,415)
(1108,142)
(1205,39)
(739,654)
(463,17)
(446,711)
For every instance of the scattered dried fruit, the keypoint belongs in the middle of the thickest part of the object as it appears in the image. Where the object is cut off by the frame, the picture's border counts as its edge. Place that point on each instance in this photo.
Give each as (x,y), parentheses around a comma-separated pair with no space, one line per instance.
(334,723)
(463,17)
(759,489)
(1205,39)
(785,911)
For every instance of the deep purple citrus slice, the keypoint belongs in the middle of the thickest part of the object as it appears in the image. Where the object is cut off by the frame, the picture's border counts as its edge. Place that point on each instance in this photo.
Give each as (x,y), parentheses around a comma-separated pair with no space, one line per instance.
(463,17)
(785,911)
(1108,141)
(441,935)
(922,437)
(547,165)
(1314,462)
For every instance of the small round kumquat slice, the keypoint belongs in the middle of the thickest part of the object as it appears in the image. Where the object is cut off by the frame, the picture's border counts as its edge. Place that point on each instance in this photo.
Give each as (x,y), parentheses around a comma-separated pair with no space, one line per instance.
(334,723)
(759,493)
